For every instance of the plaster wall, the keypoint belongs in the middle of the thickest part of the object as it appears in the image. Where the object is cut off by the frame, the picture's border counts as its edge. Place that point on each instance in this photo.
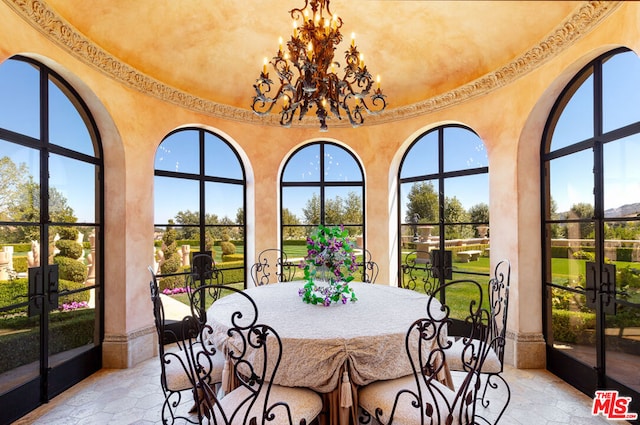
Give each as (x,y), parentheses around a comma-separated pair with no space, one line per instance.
(509,119)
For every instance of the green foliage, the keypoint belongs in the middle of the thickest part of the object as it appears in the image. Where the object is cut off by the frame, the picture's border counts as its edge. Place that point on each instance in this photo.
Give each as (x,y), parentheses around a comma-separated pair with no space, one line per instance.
(67,330)
(68,233)
(584,255)
(17,247)
(572,326)
(20,264)
(69,248)
(227,247)
(423,202)
(15,291)
(71,269)
(232,257)
(628,276)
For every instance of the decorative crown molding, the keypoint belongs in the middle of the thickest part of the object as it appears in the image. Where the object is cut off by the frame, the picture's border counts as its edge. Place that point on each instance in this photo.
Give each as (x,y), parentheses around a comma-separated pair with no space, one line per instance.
(42,17)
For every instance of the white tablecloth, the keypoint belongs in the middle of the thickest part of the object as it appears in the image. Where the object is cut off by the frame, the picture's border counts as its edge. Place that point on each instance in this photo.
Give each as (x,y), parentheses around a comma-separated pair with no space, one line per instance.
(317,341)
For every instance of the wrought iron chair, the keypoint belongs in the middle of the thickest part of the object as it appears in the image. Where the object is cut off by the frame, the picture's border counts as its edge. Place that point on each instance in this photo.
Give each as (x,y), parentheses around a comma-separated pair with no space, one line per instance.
(498,292)
(254,349)
(425,397)
(417,272)
(204,271)
(270,261)
(178,370)
(370,268)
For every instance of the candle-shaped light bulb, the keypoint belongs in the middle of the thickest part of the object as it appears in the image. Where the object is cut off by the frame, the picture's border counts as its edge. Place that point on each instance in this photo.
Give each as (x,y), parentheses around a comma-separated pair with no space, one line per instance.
(264,66)
(310,50)
(317,19)
(295,29)
(335,21)
(285,101)
(353,39)
(378,82)
(361,60)
(280,43)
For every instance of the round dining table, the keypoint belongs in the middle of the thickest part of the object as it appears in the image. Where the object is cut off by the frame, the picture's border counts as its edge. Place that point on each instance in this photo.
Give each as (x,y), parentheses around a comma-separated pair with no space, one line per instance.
(326,347)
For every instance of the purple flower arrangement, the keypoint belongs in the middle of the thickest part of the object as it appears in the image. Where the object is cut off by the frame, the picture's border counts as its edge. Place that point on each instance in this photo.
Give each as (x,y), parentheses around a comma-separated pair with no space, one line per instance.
(73,306)
(328,267)
(175,291)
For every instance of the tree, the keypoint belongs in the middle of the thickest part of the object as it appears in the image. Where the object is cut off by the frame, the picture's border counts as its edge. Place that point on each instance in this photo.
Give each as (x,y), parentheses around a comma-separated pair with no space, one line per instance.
(585,230)
(454,212)
(12,177)
(311,210)
(479,213)
(290,219)
(423,201)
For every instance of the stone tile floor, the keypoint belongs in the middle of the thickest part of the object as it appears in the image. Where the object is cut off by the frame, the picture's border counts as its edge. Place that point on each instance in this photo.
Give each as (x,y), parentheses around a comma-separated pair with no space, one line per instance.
(134,396)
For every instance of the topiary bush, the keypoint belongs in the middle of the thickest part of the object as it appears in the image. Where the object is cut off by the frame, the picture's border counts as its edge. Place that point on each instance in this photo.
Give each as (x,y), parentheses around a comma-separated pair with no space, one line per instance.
(69,248)
(70,269)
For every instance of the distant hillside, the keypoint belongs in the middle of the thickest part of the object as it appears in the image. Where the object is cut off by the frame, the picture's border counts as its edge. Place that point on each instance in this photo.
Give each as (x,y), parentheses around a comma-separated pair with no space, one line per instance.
(629,210)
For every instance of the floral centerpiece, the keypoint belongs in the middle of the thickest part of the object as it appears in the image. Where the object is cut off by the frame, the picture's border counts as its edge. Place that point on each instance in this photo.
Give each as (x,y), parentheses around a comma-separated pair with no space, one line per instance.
(328,267)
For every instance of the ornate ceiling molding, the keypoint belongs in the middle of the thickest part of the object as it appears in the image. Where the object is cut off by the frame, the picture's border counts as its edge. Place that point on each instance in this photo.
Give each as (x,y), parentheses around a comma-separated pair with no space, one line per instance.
(40,15)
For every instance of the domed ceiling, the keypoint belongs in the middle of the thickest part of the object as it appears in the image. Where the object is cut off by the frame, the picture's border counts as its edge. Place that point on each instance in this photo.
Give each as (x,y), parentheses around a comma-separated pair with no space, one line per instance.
(206,54)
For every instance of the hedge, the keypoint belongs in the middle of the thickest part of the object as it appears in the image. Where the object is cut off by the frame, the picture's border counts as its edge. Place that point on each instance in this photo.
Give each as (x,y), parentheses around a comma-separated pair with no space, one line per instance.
(15,291)
(67,330)
(573,326)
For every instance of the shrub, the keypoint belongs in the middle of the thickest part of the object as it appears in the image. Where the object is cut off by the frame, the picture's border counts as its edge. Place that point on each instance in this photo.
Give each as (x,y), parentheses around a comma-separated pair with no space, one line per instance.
(232,257)
(14,291)
(71,269)
(572,326)
(227,247)
(584,255)
(69,248)
(20,264)
(68,233)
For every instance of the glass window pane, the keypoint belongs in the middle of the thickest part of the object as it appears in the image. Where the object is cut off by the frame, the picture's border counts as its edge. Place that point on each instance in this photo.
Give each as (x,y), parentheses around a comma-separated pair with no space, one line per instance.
(303,203)
(19,183)
(66,126)
(422,157)
(419,202)
(223,200)
(179,152)
(463,149)
(172,195)
(20,100)
(576,120)
(621,174)
(220,159)
(343,205)
(469,192)
(621,91)
(304,165)
(339,165)
(571,180)
(72,189)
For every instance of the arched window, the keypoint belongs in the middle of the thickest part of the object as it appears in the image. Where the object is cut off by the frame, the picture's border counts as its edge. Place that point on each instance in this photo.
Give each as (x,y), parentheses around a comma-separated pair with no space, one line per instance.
(321,183)
(591,213)
(199,204)
(51,235)
(443,203)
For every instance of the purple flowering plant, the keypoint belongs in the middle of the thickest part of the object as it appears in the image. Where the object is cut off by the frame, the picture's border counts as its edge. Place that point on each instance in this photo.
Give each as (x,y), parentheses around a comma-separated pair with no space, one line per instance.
(328,267)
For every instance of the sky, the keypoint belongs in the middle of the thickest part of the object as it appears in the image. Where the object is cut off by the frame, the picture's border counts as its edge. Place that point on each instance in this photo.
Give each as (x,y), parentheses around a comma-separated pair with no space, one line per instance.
(572,179)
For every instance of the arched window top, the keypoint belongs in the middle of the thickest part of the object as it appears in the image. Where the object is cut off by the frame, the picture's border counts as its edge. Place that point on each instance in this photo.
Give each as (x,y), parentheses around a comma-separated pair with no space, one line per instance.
(322,161)
(67,122)
(182,151)
(463,150)
(615,105)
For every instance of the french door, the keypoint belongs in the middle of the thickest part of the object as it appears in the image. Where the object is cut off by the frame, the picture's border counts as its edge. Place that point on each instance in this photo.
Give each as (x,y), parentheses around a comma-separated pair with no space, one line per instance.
(591,228)
(50,238)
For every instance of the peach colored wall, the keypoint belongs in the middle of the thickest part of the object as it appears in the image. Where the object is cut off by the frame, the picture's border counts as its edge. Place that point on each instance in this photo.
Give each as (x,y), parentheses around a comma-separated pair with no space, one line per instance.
(509,120)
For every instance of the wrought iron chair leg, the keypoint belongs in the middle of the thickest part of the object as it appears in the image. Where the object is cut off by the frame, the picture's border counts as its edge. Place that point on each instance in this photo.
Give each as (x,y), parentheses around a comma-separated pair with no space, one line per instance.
(494,385)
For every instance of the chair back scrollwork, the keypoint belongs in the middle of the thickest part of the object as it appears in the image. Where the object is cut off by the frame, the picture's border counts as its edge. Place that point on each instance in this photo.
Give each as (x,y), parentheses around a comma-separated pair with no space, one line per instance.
(370,268)
(272,266)
(417,272)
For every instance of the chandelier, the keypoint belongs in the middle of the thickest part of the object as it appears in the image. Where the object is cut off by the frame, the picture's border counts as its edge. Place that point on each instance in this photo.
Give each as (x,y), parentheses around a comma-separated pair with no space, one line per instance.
(307,73)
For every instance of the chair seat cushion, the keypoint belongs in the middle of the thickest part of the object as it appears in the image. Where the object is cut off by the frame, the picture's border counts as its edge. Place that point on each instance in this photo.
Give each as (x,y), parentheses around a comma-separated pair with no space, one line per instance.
(453,355)
(382,395)
(177,370)
(303,404)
